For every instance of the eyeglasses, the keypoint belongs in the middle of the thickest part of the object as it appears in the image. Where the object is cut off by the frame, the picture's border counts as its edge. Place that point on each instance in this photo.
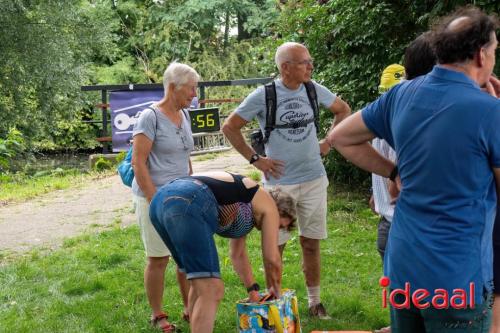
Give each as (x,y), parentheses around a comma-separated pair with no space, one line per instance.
(179,132)
(302,62)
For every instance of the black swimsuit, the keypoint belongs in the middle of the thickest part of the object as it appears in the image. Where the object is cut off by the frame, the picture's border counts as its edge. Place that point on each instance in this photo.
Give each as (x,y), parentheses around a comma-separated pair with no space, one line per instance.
(235,208)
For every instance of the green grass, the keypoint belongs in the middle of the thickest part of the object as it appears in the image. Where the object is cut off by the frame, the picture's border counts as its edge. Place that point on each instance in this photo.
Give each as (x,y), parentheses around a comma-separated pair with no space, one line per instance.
(19,187)
(94,282)
(254,174)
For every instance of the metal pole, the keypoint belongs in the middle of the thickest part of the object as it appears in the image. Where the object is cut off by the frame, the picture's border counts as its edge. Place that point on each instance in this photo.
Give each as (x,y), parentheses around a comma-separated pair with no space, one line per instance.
(202,95)
(104,108)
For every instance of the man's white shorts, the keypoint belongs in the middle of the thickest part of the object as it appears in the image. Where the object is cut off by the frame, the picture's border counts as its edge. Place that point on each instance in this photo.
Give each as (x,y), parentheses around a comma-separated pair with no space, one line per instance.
(311,208)
(153,244)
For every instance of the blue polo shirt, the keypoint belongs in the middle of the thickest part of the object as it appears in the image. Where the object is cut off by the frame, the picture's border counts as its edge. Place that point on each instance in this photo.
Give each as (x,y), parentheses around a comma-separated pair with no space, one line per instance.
(446,134)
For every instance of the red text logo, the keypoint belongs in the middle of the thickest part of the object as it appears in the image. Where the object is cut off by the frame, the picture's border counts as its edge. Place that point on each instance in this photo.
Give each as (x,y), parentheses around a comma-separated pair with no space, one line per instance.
(441,299)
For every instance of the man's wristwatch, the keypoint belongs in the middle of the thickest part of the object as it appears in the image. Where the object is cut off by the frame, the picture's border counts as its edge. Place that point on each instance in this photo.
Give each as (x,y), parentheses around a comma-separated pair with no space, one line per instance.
(254,158)
(253,287)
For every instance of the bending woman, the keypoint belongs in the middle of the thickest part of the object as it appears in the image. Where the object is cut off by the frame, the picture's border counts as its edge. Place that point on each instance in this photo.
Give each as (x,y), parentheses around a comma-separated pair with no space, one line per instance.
(188,211)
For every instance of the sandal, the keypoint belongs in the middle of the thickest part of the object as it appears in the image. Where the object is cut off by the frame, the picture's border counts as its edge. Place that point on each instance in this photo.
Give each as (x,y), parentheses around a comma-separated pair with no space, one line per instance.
(166,328)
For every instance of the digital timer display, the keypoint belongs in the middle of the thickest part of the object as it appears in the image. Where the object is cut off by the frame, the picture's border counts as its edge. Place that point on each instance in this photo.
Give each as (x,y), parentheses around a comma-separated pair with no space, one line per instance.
(205,120)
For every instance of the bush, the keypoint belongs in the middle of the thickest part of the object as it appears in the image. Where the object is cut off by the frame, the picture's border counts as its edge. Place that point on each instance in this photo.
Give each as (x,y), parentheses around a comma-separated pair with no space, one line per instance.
(120,157)
(352,41)
(10,147)
(102,164)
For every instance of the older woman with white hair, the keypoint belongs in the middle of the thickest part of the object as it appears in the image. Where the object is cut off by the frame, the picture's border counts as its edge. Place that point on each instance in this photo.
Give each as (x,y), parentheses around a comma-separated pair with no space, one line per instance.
(162,145)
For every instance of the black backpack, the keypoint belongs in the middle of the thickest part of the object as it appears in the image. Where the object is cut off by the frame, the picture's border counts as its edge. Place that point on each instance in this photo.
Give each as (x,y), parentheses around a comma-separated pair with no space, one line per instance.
(258,139)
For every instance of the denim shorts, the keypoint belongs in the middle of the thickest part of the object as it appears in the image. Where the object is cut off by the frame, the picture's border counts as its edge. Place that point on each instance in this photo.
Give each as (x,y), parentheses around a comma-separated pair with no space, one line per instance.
(185,214)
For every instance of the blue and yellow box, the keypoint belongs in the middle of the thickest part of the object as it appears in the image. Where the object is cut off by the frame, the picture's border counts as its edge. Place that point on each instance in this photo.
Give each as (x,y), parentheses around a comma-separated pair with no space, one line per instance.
(277,316)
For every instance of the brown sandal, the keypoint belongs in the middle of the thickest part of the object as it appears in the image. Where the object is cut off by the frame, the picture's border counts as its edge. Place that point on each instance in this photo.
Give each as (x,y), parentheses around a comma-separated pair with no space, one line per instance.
(166,328)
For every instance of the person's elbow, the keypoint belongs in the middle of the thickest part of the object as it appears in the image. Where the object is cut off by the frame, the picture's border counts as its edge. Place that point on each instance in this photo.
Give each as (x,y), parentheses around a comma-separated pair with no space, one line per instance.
(228,128)
(139,165)
(342,110)
(350,132)
(337,138)
(346,110)
(136,163)
(233,125)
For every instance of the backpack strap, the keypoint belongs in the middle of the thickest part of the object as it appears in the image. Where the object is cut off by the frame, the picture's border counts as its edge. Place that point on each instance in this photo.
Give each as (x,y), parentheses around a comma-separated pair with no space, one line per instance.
(270,90)
(313,100)
(271,106)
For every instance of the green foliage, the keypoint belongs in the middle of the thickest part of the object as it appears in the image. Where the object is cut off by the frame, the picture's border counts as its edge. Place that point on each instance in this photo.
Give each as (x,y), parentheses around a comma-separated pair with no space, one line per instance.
(69,133)
(50,49)
(45,48)
(10,147)
(120,157)
(196,32)
(352,41)
(103,164)
(121,71)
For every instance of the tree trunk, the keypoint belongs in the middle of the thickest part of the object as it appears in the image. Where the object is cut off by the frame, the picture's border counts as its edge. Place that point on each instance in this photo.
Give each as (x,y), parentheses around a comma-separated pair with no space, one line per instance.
(226,31)
(242,33)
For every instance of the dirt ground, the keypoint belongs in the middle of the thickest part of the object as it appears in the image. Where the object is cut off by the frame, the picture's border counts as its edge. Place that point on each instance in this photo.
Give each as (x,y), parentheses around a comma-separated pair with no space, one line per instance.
(48,219)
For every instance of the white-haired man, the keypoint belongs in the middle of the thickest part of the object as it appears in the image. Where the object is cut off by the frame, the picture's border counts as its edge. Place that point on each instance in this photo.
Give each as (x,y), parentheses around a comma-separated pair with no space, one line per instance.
(293,153)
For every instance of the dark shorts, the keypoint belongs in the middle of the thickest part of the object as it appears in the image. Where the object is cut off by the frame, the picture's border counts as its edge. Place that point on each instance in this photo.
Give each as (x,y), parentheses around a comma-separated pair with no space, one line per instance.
(496,255)
(184,212)
(431,320)
(382,235)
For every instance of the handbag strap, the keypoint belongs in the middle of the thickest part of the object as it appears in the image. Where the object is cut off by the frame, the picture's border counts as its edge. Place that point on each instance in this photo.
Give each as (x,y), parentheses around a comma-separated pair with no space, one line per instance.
(156,118)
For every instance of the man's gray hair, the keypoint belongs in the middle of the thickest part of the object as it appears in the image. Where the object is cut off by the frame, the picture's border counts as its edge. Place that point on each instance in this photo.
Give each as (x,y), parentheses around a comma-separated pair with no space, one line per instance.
(283,52)
(179,74)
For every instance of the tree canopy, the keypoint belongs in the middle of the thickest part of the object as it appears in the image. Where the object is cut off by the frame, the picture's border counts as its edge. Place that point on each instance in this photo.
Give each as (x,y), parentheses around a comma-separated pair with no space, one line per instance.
(50,48)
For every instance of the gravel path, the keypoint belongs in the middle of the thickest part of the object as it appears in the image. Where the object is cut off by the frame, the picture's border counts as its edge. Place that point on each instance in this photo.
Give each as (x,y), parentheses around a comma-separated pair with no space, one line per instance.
(47,220)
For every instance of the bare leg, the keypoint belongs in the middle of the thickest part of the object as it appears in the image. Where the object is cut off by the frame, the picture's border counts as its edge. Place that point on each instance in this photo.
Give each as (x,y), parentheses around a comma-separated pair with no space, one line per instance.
(311,261)
(495,324)
(191,299)
(154,275)
(207,295)
(311,266)
(282,248)
(184,289)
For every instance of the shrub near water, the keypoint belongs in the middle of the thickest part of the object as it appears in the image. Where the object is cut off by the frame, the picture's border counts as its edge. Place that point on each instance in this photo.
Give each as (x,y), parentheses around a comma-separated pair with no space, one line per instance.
(10,147)
(103,164)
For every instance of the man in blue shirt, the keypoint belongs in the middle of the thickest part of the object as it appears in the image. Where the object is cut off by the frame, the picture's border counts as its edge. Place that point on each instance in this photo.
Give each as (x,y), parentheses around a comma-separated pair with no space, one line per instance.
(444,130)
